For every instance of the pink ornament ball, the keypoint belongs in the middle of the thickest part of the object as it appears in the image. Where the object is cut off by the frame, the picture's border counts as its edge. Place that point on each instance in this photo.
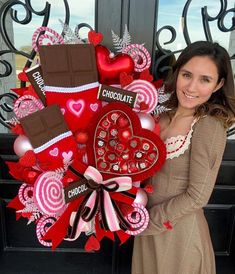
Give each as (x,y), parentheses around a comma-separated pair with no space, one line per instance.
(141,197)
(21,145)
(147,121)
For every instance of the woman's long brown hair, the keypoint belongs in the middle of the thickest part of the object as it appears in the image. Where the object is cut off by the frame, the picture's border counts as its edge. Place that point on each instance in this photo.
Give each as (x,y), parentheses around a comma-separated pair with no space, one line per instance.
(221,104)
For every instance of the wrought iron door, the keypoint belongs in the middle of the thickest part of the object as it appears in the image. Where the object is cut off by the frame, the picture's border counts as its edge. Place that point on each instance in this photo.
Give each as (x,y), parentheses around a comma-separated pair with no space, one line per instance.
(19,250)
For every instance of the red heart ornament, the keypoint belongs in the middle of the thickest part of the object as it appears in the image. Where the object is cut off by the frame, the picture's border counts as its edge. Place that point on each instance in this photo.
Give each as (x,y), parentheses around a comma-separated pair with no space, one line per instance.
(125,79)
(92,244)
(129,150)
(110,68)
(95,38)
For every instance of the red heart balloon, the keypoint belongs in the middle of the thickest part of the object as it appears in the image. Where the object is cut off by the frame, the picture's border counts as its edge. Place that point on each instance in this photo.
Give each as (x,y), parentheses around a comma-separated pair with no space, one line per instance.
(128,150)
(110,68)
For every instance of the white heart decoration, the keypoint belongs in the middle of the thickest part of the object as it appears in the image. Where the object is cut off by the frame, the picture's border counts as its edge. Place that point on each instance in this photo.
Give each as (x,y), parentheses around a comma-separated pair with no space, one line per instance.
(67,155)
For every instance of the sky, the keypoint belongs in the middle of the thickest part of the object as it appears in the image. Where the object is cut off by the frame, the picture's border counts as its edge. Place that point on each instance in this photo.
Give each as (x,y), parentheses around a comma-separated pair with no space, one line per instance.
(82,11)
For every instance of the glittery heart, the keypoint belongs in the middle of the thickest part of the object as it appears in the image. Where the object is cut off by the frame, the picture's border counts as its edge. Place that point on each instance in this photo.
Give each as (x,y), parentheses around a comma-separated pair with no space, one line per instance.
(120,146)
(76,107)
(95,38)
(92,244)
(125,79)
(54,152)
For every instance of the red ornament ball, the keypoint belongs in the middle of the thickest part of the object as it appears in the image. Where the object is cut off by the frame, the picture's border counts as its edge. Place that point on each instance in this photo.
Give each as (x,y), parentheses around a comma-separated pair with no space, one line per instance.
(81,137)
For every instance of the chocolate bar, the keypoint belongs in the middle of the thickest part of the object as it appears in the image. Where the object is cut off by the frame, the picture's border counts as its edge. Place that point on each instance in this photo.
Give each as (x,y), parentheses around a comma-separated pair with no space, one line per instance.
(68,65)
(44,125)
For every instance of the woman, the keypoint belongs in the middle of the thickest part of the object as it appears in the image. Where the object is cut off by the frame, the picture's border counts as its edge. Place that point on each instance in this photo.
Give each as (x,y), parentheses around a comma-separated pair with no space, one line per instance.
(177,240)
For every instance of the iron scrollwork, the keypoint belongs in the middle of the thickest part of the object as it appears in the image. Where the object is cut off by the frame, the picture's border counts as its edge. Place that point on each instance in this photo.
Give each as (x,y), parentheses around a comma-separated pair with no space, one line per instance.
(9,8)
(159,66)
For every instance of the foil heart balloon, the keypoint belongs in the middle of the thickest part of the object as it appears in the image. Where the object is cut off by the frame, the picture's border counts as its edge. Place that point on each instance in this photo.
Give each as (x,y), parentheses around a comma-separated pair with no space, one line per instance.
(110,68)
(118,145)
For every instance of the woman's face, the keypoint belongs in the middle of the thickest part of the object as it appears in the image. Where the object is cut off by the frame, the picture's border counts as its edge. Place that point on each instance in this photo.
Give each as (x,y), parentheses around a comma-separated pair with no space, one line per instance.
(196,81)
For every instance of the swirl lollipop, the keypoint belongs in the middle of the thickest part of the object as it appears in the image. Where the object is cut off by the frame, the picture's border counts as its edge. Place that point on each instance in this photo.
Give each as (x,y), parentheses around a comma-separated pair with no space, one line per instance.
(37,38)
(25,194)
(48,194)
(147,93)
(42,227)
(140,55)
(138,219)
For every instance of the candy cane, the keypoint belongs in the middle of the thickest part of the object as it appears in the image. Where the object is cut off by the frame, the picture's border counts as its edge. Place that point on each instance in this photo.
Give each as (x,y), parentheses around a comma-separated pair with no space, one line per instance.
(140,55)
(26,105)
(55,38)
(140,222)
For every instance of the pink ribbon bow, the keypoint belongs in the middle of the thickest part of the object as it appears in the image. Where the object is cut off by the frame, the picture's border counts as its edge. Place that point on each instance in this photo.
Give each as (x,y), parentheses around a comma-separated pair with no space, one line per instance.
(99,199)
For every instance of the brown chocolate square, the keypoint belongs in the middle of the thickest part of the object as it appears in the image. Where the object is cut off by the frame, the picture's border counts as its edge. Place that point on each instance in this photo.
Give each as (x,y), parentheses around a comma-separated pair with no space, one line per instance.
(68,65)
(44,125)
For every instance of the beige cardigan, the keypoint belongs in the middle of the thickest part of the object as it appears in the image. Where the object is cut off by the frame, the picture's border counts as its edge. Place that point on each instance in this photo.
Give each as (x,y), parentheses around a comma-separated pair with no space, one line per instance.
(181,188)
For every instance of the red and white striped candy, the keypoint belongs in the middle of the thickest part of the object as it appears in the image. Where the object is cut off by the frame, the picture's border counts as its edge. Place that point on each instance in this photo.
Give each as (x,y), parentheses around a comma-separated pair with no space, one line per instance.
(48,194)
(42,227)
(140,220)
(25,194)
(26,105)
(147,93)
(37,38)
(140,56)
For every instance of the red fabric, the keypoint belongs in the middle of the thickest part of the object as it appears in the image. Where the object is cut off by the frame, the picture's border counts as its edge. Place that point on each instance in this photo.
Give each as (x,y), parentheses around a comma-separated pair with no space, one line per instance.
(58,231)
(52,157)
(77,107)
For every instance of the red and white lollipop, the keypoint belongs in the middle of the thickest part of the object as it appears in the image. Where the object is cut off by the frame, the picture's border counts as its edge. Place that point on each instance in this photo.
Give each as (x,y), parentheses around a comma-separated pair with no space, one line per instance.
(138,219)
(140,56)
(147,94)
(48,194)
(42,227)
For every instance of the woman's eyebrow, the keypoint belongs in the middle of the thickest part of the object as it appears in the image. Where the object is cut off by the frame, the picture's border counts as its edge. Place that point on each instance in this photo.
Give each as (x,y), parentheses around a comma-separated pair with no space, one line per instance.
(187,71)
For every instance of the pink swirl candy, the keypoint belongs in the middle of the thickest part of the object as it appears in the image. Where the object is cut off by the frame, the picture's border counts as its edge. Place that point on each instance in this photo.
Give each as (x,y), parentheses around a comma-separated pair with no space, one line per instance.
(138,219)
(147,94)
(140,56)
(55,37)
(26,105)
(42,227)
(48,194)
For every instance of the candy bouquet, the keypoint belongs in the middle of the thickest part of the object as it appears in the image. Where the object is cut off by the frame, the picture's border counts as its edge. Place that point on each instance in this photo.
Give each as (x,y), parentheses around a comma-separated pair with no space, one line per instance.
(86,139)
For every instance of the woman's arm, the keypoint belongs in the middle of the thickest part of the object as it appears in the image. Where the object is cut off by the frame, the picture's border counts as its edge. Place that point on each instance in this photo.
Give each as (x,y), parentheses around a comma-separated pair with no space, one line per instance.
(208,143)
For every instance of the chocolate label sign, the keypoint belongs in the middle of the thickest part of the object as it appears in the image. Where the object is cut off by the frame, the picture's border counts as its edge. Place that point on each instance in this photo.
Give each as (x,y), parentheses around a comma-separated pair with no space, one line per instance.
(113,94)
(34,75)
(75,190)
